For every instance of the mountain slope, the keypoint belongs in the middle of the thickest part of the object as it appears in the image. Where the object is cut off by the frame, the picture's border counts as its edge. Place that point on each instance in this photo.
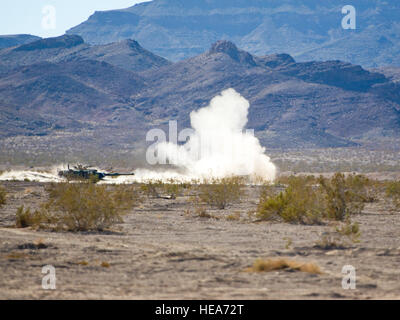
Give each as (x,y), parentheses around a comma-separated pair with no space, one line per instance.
(127,54)
(308,30)
(293,104)
(16,40)
(38,98)
(40,51)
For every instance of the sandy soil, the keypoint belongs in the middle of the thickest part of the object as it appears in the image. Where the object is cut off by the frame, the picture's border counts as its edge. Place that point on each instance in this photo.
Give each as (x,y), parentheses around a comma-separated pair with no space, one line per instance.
(162,252)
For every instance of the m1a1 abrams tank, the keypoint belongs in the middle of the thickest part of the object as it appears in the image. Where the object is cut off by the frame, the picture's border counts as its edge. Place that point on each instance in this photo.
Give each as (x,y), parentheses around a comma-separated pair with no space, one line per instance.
(80,172)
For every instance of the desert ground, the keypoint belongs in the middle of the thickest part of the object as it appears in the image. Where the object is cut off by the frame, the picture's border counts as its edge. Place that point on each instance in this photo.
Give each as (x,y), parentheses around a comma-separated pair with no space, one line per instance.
(163,250)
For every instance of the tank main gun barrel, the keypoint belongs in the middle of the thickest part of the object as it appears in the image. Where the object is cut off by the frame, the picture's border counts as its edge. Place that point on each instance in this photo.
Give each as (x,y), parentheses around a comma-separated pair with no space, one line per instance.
(118,174)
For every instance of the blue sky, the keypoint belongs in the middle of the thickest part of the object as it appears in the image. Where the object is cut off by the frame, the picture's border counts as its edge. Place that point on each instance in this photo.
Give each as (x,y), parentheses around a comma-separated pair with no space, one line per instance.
(36,16)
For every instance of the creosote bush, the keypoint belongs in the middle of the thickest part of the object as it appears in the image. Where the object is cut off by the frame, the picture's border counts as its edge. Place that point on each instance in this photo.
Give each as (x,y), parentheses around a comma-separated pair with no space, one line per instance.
(3,196)
(151,188)
(393,192)
(298,203)
(26,218)
(81,207)
(285,180)
(308,200)
(157,188)
(350,230)
(342,236)
(173,189)
(344,196)
(221,192)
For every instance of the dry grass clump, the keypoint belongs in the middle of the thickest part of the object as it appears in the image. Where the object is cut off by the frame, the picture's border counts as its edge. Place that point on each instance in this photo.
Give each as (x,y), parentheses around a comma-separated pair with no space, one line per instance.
(270,265)
(201,212)
(308,200)
(234,216)
(221,192)
(393,193)
(18,256)
(40,244)
(3,196)
(80,207)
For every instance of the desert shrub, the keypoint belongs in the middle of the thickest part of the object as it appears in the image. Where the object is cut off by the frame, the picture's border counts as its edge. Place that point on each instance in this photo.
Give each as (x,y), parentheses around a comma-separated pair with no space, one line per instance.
(363,189)
(344,196)
(285,180)
(300,202)
(269,190)
(173,189)
(87,206)
(125,196)
(289,242)
(26,218)
(151,188)
(170,189)
(350,230)
(393,193)
(221,192)
(308,200)
(3,196)
(341,236)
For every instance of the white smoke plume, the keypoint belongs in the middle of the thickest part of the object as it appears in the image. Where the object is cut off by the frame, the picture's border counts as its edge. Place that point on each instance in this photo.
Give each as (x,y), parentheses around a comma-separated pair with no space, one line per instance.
(218,146)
